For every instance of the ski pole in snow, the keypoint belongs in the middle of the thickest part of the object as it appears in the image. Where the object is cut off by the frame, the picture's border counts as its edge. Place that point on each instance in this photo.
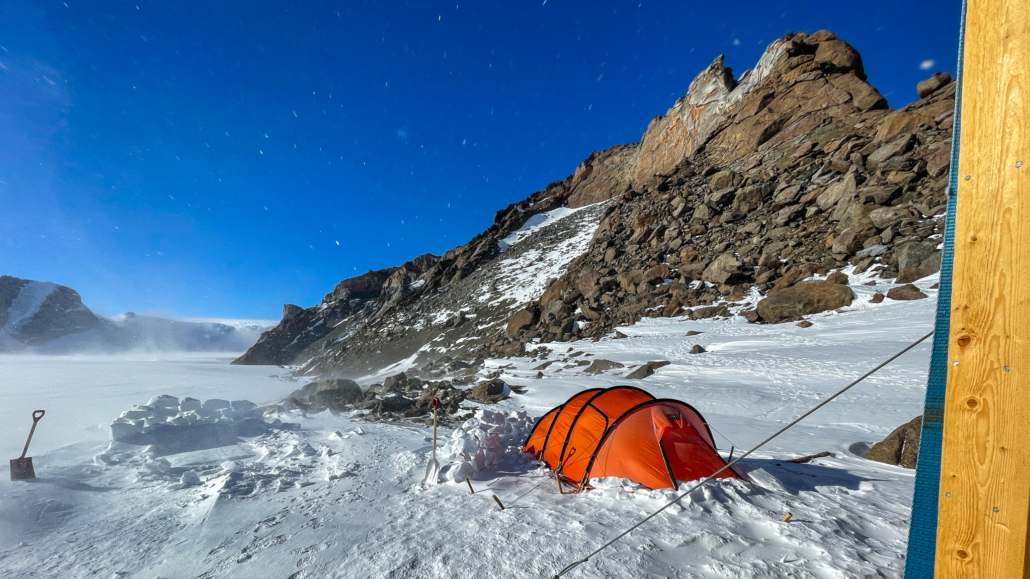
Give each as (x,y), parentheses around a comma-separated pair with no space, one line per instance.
(433,468)
(729,465)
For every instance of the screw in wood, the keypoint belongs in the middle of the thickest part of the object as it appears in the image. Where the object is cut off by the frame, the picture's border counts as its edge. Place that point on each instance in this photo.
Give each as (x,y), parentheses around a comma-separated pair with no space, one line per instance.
(947,495)
(1019,164)
(1007,368)
(955,363)
(996,509)
(968,177)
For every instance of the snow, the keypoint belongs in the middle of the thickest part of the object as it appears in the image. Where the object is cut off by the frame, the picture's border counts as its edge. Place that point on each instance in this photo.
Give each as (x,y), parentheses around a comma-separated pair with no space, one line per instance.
(523,277)
(23,307)
(345,498)
(536,223)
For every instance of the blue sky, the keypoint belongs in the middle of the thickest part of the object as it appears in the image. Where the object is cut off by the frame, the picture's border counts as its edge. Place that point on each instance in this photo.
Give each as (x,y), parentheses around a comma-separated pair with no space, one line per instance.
(217,159)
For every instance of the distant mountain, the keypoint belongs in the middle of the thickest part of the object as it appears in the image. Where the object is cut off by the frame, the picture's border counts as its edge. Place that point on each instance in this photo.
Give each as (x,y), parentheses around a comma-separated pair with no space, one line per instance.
(45,317)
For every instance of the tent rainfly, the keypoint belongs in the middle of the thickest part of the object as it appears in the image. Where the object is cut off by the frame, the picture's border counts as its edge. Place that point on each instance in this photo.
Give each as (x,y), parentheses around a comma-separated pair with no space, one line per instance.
(625,432)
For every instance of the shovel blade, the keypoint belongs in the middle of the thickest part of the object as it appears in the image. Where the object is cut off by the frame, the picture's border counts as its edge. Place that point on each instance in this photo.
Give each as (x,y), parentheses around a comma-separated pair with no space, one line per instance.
(21,468)
(432,472)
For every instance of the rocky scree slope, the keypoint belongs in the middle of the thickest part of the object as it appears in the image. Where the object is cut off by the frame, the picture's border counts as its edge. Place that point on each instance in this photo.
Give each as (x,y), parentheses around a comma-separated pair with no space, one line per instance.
(745,188)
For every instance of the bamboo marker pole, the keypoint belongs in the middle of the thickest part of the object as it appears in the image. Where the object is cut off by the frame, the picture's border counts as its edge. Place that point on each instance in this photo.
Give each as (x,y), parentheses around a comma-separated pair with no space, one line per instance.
(985,460)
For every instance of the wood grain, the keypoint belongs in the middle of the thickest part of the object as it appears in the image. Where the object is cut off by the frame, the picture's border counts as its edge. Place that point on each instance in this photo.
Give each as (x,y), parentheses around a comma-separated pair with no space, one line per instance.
(985,464)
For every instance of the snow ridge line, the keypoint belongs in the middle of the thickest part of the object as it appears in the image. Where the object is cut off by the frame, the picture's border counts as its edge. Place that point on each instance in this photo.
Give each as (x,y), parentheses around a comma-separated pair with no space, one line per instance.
(729,465)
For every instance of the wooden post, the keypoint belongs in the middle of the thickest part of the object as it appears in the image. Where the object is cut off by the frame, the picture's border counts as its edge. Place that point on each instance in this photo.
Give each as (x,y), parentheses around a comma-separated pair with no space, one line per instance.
(985,464)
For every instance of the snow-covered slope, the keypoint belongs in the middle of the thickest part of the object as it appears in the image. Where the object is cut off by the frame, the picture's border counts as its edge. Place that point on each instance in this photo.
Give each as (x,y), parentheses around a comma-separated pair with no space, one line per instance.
(344,497)
(34,313)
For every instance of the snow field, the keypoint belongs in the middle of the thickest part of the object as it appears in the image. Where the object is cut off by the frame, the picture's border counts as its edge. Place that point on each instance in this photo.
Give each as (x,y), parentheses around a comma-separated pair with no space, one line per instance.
(345,498)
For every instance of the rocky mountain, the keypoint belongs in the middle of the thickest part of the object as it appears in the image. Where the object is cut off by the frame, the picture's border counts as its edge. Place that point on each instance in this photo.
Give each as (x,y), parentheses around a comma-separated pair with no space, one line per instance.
(33,313)
(45,317)
(747,189)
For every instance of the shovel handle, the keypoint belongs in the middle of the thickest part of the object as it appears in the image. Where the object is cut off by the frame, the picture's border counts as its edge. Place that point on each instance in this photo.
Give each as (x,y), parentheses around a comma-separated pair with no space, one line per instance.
(36,415)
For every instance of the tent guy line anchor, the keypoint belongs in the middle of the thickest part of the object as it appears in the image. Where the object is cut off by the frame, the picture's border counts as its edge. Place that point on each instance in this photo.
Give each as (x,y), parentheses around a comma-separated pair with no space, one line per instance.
(705,481)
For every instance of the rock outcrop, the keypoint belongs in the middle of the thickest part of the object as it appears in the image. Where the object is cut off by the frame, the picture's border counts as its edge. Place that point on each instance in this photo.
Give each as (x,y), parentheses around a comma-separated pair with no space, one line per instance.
(747,186)
(34,313)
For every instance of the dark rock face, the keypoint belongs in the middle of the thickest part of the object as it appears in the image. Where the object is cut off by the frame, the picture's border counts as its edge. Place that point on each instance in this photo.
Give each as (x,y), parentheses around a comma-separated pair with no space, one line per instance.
(62,313)
(901,447)
(803,299)
(795,168)
(290,310)
(35,313)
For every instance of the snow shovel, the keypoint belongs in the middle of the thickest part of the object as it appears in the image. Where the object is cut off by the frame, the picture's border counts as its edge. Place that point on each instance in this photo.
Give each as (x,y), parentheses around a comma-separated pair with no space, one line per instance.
(433,468)
(21,468)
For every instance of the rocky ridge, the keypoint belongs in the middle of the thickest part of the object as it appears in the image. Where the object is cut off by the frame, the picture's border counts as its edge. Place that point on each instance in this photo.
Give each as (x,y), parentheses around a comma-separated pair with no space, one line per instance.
(730,204)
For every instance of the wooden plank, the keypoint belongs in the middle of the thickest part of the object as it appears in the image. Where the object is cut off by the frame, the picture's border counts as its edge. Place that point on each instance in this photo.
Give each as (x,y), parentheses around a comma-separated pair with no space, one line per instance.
(985,464)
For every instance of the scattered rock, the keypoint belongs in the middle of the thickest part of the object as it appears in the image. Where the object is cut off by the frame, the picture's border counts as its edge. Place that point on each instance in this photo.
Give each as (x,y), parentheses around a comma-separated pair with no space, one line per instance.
(803,299)
(646,370)
(599,365)
(901,447)
(910,274)
(336,394)
(905,292)
(693,333)
(697,349)
(804,324)
(877,298)
(489,392)
(838,277)
(522,320)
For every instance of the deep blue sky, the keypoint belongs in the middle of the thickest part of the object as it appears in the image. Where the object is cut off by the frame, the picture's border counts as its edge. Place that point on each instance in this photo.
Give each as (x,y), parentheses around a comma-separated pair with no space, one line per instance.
(217,159)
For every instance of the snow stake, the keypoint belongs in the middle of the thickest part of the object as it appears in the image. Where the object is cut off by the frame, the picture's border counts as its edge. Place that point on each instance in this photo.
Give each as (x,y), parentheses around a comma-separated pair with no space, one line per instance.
(21,468)
(499,502)
(786,519)
(472,490)
(433,468)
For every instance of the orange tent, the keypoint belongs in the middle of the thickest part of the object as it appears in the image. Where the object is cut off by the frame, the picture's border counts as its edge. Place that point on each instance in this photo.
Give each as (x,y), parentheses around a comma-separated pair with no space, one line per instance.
(625,432)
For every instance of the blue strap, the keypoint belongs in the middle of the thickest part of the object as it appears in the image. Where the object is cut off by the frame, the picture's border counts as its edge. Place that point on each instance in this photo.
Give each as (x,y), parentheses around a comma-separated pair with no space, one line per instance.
(922,533)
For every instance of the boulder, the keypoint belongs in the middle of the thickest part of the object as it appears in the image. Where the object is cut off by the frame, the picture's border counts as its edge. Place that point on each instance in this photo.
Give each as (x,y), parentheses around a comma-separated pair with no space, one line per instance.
(336,394)
(726,269)
(901,447)
(845,188)
(630,279)
(849,241)
(910,274)
(926,88)
(921,254)
(884,217)
(855,215)
(489,391)
(522,320)
(599,365)
(646,370)
(838,277)
(697,349)
(898,146)
(805,298)
(877,298)
(905,293)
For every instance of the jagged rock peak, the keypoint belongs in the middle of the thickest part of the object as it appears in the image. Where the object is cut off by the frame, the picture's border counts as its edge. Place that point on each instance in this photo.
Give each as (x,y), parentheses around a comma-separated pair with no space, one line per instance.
(796,76)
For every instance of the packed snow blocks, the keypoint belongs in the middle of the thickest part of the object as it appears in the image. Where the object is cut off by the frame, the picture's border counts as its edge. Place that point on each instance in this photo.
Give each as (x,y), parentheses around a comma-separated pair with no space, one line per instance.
(173,426)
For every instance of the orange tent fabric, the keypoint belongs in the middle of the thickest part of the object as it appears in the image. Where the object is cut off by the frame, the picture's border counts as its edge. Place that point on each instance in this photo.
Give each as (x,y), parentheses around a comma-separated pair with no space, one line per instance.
(626,432)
